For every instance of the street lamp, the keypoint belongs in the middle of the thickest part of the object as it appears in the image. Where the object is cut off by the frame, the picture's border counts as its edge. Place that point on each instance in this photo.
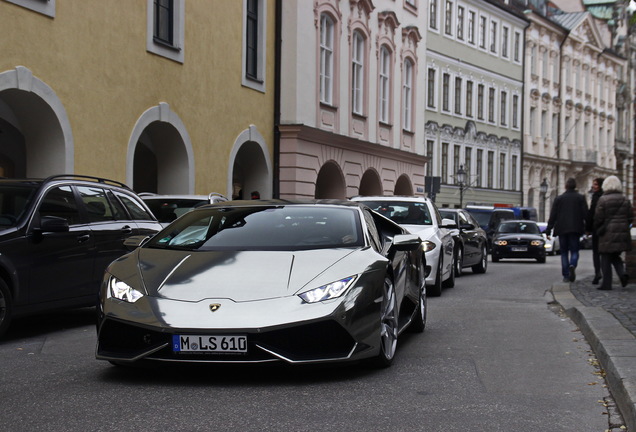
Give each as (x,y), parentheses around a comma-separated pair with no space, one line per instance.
(543,190)
(460,176)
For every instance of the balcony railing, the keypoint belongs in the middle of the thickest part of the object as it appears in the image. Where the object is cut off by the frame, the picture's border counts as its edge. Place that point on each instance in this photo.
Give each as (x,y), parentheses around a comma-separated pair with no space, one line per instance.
(583,155)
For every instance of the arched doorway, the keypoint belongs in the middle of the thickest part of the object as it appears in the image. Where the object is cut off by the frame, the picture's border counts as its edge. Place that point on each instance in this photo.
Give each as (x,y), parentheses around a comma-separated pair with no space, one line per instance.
(403,186)
(35,135)
(370,184)
(330,182)
(251,166)
(160,154)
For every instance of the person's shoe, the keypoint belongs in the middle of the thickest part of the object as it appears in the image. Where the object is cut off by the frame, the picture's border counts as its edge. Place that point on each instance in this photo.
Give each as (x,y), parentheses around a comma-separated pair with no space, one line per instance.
(596,280)
(572,274)
(567,280)
(624,279)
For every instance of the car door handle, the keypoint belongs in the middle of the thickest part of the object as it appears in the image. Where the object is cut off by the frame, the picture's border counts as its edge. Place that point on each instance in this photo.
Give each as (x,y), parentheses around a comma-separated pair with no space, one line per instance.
(127,230)
(83,238)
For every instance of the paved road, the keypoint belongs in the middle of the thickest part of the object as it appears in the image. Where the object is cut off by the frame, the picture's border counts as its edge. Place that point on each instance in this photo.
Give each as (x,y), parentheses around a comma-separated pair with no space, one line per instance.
(496,356)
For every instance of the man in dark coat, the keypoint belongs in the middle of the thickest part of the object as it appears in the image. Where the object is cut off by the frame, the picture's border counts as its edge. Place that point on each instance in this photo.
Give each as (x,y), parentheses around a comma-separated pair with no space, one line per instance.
(597,191)
(567,218)
(612,220)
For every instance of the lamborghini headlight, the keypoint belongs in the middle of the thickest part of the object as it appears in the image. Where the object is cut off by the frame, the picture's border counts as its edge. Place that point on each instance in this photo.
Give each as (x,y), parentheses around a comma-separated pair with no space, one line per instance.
(428,245)
(329,291)
(122,291)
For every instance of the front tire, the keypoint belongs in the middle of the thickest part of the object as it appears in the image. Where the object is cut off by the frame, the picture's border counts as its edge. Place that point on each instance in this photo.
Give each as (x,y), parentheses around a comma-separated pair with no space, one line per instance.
(388,324)
(450,282)
(436,289)
(459,262)
(483,263)
(419,320)
(6,307)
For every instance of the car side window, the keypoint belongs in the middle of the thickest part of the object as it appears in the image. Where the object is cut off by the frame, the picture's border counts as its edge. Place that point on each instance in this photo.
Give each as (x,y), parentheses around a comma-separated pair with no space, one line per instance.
(463,220)
(376,243)
(97,206)
(60,202)
(135,208)
(118,208)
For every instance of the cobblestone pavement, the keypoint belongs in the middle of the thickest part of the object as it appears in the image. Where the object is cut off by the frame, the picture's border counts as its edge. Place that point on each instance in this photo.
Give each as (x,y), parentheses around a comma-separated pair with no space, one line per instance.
(620,302)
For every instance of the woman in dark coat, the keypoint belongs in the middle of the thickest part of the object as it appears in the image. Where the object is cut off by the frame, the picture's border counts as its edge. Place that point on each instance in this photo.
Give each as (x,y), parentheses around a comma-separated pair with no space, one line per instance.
(597,192)
(612,221)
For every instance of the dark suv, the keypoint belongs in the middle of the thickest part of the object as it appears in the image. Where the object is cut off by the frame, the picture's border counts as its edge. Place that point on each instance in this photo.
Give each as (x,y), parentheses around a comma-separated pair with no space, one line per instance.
(58,235)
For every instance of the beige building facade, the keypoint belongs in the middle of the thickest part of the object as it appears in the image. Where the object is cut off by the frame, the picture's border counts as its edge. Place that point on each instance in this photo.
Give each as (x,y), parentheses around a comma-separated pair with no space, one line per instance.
(145,92)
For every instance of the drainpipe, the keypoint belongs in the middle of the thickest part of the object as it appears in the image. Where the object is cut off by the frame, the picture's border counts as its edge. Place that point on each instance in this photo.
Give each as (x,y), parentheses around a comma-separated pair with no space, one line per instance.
(277,103)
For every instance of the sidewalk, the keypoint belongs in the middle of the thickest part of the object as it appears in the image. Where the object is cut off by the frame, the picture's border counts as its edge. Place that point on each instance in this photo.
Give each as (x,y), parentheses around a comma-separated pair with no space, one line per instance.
(608,322)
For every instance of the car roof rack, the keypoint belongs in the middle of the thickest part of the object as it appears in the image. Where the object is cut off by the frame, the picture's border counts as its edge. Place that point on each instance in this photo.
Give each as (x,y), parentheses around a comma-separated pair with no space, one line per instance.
(87,178)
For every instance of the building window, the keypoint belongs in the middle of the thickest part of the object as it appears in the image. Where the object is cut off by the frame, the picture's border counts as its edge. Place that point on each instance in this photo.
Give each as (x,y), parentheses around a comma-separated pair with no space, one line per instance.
(326,59)
(479,168)
(430,97)
(448,18)
(480,101)
(429,154)
(165,28)
(493,37)
(517,47)
(513,174)
(483,22)
(432,14)
(469,98)
(504,108)
(357,73)
(491,105)
(385,88)
(456,154)
(445,92)
(502,171)
(444,175)
(254,44)
(468,160)
(460,22)
(491,167)
(515,111)
(408,94)
(471,27)
(504,41)
(458,95)
(545,64)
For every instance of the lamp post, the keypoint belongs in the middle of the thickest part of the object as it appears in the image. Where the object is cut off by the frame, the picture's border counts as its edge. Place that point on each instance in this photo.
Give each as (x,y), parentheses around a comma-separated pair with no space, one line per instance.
(460,176)
(543,190)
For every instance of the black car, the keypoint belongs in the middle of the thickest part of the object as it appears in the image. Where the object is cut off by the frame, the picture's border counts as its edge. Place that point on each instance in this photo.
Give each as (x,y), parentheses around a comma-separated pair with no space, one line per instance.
(57,236)
(471,242)
(518,239)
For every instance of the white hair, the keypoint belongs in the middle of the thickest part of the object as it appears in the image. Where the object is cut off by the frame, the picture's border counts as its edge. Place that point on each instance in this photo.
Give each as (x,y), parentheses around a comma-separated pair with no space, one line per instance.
(612,183)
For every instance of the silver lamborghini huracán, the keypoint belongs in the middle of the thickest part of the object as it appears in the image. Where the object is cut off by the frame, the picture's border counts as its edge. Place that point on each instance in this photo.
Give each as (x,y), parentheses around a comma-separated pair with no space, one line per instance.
(261,281)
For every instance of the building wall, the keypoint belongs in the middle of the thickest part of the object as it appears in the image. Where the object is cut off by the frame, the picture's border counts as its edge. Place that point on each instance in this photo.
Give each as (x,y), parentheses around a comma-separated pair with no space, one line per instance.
(93,57)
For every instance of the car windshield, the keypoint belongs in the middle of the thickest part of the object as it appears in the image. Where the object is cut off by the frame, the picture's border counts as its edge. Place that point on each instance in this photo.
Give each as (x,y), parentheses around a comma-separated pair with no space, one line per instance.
(280,228)
(518,228)
(14,199)
(168,209)
(403,212)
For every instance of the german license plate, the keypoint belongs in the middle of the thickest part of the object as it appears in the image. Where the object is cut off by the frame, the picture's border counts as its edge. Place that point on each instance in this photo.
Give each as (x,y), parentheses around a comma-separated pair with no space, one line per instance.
(209,344)
(519,249)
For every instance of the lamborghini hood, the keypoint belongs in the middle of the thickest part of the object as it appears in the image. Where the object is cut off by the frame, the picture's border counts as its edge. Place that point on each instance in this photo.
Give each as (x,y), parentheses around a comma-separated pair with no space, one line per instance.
(239,276)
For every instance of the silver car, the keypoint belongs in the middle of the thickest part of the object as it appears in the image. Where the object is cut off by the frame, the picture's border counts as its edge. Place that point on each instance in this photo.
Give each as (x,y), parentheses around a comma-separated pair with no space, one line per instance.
(265,281)
(167,208)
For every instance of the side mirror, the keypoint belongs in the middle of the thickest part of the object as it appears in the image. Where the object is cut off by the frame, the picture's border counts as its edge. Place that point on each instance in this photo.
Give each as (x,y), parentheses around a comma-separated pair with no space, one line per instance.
(53,224)
(406,242)
(448,223)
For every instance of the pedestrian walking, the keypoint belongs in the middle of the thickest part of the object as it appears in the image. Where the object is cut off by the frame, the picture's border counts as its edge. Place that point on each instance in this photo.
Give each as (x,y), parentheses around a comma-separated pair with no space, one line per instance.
(597,191)
(567,219)
(612,220)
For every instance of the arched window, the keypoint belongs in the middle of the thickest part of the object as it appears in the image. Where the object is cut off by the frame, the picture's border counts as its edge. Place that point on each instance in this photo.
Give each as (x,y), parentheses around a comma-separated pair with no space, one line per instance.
(357,73)
(385,84)
(326,59)
(407,89)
